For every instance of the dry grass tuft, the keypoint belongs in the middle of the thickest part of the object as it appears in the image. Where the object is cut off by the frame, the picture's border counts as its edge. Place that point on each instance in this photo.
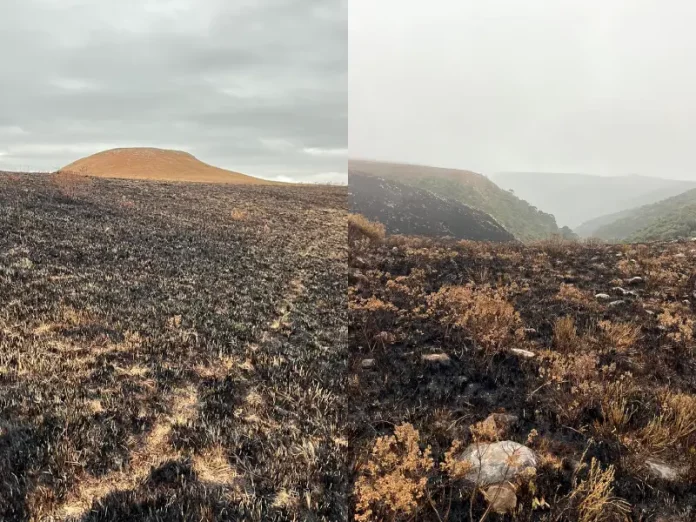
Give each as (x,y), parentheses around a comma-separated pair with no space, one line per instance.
(594,497)
(361,227)
(565,335)
(213,466)
(239,214)
(621,336)
(675,423)
(573,294)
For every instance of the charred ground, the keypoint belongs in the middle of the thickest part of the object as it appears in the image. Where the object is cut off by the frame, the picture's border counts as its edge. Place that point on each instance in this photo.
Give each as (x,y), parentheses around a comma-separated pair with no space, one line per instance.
(404,209)
(171,351)
(611,378)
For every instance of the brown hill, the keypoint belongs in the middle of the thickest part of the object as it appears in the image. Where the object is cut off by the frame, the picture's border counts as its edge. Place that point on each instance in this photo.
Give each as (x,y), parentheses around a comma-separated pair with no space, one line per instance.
(155,164)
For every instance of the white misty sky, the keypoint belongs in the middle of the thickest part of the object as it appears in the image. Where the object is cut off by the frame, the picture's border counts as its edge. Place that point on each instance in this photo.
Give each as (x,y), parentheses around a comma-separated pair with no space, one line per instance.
(603,87)
(257,86)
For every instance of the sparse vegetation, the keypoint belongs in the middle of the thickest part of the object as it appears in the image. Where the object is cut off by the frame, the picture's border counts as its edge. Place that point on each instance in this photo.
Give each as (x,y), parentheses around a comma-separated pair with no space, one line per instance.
(161,361)
(589,345)
(359,226)
(71,184)
(671,218)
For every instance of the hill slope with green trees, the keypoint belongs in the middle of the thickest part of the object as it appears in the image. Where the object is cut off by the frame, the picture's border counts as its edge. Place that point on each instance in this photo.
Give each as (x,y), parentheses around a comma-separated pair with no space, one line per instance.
(575,199)
(521,219)
(671,218)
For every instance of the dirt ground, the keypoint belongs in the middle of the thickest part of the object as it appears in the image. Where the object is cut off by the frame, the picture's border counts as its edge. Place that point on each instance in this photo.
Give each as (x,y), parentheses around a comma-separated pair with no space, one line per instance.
(172,351)
(609,377)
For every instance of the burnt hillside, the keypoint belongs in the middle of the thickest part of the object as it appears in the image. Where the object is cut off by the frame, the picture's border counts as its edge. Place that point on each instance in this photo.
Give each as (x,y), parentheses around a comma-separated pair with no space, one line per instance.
(404,209)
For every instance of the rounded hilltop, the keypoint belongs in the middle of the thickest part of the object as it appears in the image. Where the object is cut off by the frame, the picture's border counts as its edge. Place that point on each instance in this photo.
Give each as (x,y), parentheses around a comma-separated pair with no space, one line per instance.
(155,164)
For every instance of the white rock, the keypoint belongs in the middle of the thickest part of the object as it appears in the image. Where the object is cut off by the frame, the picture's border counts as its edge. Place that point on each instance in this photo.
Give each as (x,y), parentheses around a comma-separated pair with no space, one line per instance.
(367,363)
(617,302)
(662,470)
(530,330)
(602,296)
(497,462)
(680,255)
(522,353)
(438,358)
(635,280)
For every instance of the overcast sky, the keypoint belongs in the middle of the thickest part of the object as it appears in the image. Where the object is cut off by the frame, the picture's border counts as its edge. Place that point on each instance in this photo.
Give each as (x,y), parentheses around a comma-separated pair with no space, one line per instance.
(256,86)
(596,86)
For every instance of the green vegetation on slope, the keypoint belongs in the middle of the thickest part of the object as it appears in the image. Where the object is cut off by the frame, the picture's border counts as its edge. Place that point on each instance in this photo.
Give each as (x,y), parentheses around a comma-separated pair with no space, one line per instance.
(575,199)
(671,218)
(523,220)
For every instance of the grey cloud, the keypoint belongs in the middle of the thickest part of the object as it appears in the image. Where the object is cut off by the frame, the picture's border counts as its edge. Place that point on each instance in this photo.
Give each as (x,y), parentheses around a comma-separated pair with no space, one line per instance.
(598,87)
(224,80)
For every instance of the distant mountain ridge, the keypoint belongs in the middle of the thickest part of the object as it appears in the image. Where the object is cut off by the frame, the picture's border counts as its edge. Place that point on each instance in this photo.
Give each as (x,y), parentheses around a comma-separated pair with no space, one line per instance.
(517,216)
(671,218)
(408,210)
(576,199)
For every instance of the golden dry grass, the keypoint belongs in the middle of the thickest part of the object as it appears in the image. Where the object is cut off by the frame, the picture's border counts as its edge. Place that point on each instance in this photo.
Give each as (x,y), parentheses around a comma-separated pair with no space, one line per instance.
(154,164)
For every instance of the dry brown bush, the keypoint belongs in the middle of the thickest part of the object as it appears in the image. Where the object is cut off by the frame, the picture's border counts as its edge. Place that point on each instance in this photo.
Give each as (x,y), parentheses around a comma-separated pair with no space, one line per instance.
(573,294)
(71,184)
(485,313)
(594,498)
(622,336)
(360,227)
(393,481)
(677,319)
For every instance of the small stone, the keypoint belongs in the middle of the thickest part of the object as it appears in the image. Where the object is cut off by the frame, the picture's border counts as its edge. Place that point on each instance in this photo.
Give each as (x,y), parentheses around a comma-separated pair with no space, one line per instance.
(618,302)
(662,470)
(437,358)
(530,330)
(522,353)
(686,302)
(602,296)
(680,255)
(367,364)
(618,290)
(501,497)
(493,463)
(635,280)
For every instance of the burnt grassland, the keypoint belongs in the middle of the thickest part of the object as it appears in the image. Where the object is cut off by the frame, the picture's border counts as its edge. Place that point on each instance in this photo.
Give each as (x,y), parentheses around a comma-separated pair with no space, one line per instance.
(172,351)
(605,389)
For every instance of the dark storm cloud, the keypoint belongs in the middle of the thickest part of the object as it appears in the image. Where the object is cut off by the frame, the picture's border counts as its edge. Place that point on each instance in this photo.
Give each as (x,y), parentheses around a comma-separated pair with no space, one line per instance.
(256,86)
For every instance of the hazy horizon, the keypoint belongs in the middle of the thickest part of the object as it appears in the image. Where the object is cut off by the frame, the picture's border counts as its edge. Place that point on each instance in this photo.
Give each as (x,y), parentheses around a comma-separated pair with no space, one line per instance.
(242,85)
(598,88)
